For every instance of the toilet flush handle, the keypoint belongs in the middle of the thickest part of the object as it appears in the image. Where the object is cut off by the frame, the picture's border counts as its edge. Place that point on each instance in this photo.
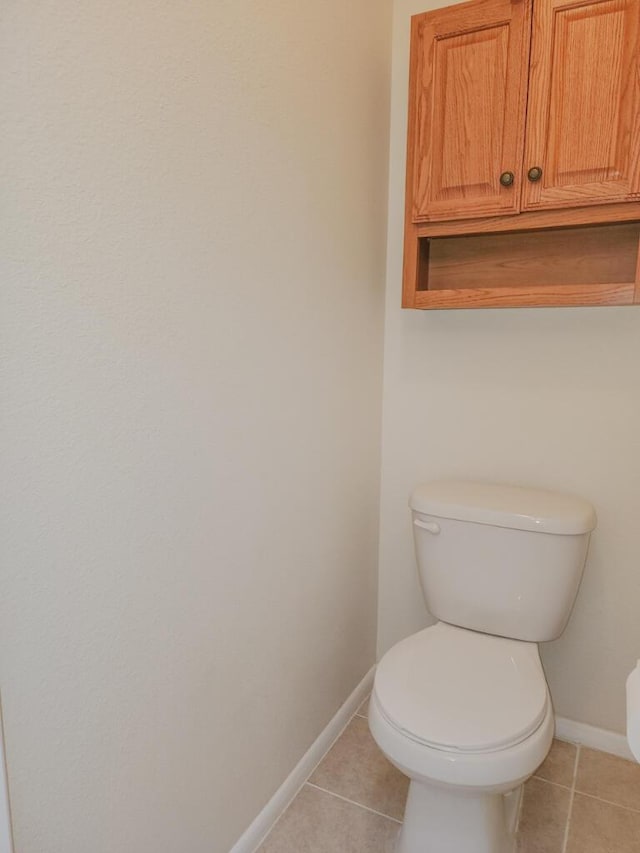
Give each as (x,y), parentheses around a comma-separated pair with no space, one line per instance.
(431,526)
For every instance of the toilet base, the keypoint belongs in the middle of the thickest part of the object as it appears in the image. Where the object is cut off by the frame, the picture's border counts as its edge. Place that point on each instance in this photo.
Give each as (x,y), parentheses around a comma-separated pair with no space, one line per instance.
(442,820)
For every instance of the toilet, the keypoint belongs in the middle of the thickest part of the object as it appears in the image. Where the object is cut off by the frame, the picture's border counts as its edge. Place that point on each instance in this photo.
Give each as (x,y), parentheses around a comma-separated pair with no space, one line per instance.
(463,707)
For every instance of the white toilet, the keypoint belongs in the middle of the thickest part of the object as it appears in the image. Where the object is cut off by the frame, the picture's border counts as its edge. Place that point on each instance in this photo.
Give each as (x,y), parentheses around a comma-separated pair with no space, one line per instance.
(463,707)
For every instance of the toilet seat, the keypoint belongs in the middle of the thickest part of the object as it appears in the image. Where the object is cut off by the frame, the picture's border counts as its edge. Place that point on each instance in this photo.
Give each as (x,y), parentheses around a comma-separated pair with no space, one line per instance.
(459,691)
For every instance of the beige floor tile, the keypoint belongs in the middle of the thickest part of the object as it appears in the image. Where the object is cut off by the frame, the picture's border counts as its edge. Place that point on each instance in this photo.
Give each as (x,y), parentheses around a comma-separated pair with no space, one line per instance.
(559,764)
(355,768)
(363,710)
(610,778)
(543,818)
(316,822)
(598,827)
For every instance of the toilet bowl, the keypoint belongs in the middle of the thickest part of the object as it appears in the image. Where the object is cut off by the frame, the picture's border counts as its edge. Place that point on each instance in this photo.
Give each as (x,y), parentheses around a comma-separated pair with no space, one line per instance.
(463,708)
(468,718)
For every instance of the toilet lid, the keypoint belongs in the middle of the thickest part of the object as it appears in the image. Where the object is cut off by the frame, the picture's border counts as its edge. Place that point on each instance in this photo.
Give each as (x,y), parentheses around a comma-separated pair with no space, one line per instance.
(454,689)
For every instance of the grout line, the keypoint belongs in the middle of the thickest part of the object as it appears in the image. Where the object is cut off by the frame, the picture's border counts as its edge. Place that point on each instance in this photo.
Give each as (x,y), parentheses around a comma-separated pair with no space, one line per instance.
(520,808)
(353,802)
(357,712)
(609,802)
(571,798)
(329,748)
(313,770)
(549,782)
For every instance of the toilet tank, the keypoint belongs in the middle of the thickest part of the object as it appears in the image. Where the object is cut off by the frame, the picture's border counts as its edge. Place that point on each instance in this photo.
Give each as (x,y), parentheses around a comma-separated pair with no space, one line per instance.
(500,559)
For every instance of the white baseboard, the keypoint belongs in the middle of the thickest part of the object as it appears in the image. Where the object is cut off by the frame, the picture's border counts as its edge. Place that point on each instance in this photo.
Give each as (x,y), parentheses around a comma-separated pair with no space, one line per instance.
(6,844)
(260,827)
(593,737)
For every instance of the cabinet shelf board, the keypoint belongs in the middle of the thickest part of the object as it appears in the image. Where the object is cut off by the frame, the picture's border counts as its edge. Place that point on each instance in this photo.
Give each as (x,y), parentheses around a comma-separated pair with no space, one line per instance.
(528,297)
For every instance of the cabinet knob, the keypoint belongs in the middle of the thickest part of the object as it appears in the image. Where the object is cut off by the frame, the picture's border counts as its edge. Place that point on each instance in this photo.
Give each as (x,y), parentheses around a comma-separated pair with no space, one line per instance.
(506,179)
(534,174)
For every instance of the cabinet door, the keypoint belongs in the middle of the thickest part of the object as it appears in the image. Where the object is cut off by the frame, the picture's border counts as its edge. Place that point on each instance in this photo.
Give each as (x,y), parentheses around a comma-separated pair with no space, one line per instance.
(467,102)
(583,120)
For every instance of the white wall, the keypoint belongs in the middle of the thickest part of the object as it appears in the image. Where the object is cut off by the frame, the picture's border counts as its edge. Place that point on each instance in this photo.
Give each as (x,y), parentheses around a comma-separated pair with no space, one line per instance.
(544,397)
(192,249)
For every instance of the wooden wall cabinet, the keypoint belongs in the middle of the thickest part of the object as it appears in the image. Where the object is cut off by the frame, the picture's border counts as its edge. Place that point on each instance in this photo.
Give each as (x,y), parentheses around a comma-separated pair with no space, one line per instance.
(469,90)
(524,117)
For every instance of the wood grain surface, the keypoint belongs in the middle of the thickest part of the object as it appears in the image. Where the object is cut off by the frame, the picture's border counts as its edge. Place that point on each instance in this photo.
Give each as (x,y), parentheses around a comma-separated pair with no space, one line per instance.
(523,297)
(467,96)
(583,115)
(605,254)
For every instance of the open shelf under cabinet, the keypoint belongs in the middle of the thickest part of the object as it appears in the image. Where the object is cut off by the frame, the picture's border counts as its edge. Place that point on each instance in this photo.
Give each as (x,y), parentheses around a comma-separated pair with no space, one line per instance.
(584,265)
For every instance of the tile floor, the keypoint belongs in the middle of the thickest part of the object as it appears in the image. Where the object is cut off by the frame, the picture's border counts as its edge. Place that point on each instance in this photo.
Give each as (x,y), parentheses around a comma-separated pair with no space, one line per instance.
(579,801)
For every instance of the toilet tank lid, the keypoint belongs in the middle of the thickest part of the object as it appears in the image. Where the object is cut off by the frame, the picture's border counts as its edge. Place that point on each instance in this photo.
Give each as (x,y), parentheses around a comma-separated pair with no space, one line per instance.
(503,505)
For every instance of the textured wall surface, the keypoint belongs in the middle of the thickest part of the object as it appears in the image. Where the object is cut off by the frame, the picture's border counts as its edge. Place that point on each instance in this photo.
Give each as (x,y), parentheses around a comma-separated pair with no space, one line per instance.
(192,258)
(546,397)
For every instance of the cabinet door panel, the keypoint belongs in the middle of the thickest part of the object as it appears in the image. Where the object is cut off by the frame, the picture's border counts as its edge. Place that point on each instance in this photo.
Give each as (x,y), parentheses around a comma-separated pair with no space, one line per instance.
(467,109)
(583,121)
